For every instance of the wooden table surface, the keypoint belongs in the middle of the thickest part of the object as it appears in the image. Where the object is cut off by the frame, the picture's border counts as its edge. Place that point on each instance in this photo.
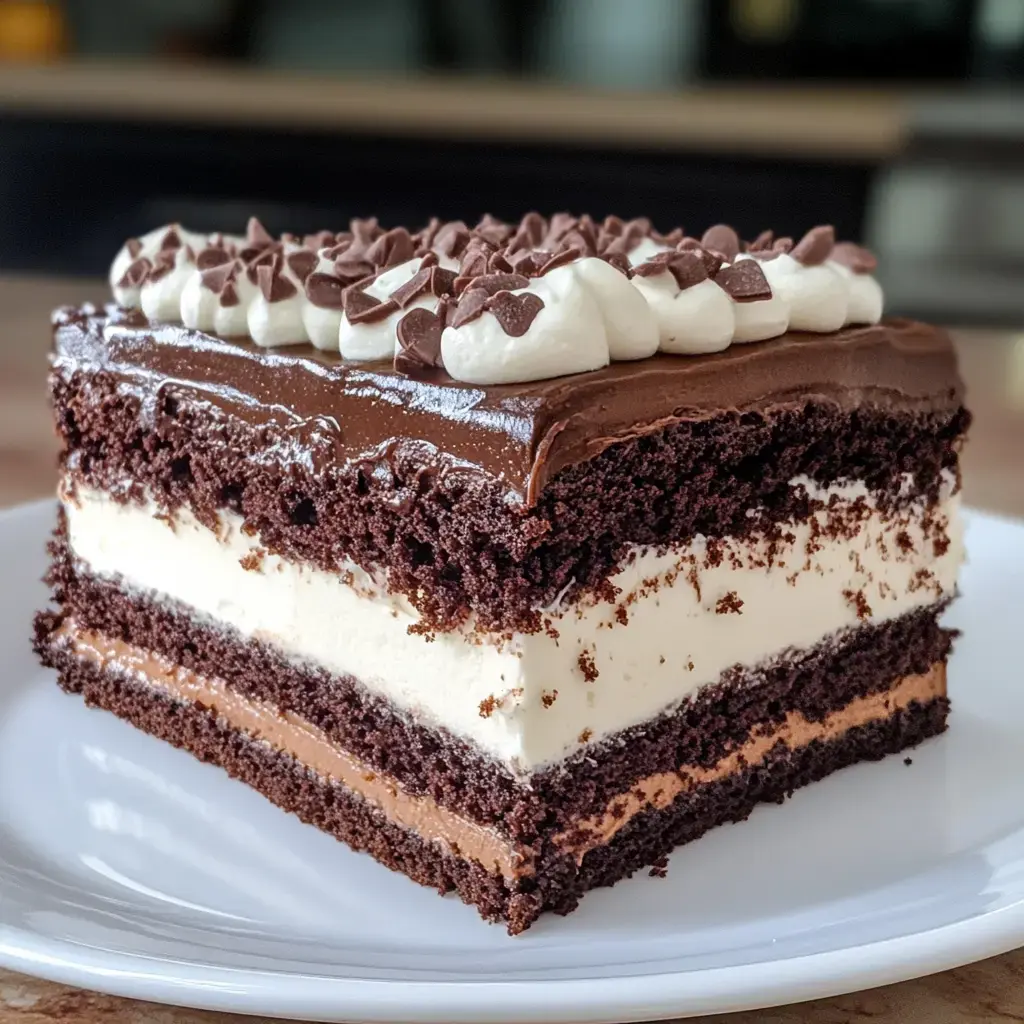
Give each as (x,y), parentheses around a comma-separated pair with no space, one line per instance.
(992,363)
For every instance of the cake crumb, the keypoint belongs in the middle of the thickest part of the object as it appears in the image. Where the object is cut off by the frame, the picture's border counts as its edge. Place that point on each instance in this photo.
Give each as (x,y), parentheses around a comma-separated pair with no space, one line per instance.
(908,760)
(547,699)
(488,706)
(585,735)
(904,542)
(729,604)
(940,545)
(859,603)
(689,666)
(587,666)
(659,869)
(621,615)
(661,659)
(252,562)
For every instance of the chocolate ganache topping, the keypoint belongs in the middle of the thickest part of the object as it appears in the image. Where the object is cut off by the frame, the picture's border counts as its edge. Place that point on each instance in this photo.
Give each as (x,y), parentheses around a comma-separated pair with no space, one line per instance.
(498,302)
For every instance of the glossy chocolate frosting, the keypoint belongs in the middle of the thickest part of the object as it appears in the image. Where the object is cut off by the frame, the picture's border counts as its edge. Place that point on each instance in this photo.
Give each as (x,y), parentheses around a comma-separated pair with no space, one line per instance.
(329,409)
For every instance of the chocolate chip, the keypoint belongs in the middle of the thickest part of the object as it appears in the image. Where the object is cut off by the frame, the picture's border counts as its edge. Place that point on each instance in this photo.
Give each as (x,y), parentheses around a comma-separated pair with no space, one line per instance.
(273,284)
(763,241)
(136,273)
(419,341)
(229,295)
(854,257)
(515,313)
(527,261)
(471,305)
(302,263)
(815,247)
(722,239)
(257,235)
(325,291)
(744,281)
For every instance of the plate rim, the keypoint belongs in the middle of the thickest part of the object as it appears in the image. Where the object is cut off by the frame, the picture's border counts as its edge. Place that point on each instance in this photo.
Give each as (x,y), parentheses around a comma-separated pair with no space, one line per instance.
(671,993)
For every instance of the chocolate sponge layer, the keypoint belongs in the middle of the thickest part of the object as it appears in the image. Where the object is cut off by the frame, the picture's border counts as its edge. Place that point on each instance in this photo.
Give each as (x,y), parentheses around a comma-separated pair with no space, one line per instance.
(559,882)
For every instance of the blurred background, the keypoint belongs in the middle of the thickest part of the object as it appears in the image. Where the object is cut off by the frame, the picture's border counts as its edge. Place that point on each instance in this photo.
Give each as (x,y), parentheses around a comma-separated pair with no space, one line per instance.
(900,121)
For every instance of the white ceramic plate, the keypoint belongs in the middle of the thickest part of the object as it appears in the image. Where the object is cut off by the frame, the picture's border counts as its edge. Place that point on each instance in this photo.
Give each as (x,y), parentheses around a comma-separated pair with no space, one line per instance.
(129,867)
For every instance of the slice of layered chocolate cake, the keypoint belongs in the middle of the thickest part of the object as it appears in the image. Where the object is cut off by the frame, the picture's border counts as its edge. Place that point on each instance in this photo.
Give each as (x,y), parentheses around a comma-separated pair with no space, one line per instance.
(495,552)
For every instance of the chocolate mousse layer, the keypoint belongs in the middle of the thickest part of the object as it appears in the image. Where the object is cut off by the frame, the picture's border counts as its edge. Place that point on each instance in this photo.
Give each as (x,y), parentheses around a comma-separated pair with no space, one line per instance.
(492,501)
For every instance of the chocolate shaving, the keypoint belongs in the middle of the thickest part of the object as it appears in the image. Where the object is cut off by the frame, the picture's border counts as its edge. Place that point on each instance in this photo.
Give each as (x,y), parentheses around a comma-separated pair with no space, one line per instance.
(212,256)
(688,267)
(217,277)
(762,242)
(431,280)
(318,241)
(302,263)
(272,282)
(393,247)
(134,247)
(494,231)
(491,284)
(515,313)
(452,239)
(815,247)
(722,239)
(325,291)
(163,264)
(854,257)
(470,306)
(530,233)
(474,259)
(744,282)
(361,308)
(171,240)
(559,259)
(136,273)
(419,341)
(256,235)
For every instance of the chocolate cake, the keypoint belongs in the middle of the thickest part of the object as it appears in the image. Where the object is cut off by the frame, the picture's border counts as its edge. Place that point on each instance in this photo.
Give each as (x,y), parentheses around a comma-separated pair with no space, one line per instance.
(514,555)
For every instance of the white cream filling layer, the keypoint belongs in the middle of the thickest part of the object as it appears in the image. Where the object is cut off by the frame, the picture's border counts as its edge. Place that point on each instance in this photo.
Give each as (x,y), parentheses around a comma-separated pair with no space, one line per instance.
(679,620)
